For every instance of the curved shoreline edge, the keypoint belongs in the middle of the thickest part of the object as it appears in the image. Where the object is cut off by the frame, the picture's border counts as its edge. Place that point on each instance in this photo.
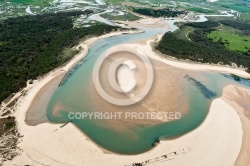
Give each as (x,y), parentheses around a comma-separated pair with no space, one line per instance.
(238,98)
(49,144)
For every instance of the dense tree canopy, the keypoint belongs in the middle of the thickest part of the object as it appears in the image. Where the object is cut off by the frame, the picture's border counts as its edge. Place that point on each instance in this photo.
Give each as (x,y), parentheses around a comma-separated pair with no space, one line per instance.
(207,24)
(245,27)
(32,45)
(168,12)
(236,24)
(201,49)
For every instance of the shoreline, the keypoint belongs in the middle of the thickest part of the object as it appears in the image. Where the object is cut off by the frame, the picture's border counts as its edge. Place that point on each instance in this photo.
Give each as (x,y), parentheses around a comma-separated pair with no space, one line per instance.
(238,98)
(36,113)
(57,148)
(45,79)
(91,148)
(192,65)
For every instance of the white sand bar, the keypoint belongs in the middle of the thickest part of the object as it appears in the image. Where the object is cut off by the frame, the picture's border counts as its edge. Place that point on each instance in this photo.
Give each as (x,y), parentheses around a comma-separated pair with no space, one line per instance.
(217,141)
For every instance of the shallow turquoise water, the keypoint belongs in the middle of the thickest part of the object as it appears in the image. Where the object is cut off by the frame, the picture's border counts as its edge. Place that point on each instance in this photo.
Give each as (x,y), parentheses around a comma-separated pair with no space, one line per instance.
(73,96)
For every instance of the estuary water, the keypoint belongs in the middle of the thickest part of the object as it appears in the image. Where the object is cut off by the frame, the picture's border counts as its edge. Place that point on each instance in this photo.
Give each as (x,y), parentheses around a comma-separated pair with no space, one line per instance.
(73,95)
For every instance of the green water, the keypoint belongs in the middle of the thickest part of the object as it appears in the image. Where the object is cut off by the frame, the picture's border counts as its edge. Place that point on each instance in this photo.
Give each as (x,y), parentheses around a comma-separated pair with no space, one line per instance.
(73,95)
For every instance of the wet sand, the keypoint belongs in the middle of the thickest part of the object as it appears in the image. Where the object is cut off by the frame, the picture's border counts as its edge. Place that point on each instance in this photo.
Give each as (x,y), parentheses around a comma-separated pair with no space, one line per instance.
(36,114)
(44,88)
(167,93)
(49,144)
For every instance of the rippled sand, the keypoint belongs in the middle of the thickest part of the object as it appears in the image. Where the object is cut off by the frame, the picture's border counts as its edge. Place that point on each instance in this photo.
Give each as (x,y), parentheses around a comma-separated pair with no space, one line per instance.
(166,95)
(49,144)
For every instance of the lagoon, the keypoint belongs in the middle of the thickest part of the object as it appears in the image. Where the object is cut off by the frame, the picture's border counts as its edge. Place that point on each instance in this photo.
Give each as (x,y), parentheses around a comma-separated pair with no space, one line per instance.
(74,96)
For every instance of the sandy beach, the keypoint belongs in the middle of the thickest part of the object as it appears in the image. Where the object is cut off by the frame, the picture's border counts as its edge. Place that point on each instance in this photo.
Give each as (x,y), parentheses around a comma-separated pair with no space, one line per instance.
(238,98)
(191,66)
(36,114)
(217,141)
(48,144)
(46,85)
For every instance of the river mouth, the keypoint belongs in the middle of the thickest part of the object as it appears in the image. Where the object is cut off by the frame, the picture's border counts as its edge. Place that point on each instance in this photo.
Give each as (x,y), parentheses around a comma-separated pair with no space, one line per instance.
(195,91)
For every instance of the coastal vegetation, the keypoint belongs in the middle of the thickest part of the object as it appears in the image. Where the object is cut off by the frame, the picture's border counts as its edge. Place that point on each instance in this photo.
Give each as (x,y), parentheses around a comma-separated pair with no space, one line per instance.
(240,7)
(244,26)
(231,39)
(201,48)
(245,17)
(167,12)
(233,34)
(126,17)
(184,31)
(207,24)
(8,138)
(34,45)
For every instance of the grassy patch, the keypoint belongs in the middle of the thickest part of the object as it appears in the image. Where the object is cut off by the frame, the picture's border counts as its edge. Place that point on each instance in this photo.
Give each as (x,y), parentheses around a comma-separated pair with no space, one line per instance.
(231,39)
(200,49)
(245,17)
(183,31)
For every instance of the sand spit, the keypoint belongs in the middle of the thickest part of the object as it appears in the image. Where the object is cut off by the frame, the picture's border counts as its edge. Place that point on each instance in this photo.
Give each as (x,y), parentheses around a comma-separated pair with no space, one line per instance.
(217,141)
(36,113)
(238,98)
(44,83)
